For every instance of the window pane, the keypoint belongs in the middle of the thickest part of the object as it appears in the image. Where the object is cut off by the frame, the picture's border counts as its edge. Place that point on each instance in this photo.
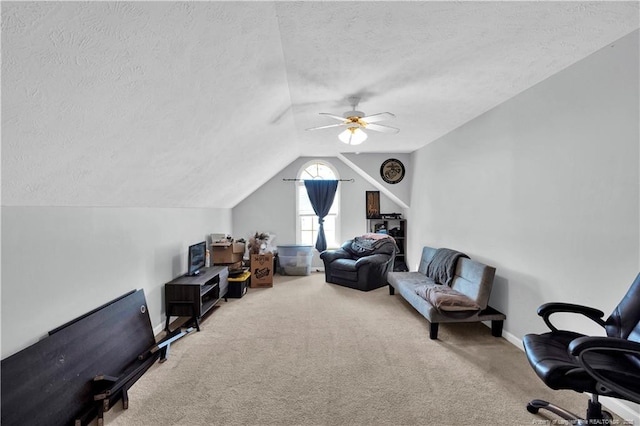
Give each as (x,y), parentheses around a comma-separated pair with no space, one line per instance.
(304,204)
(307,238)
(330,230)
(334,206)
(317,171)
(306,222)
(325,172)
(309,227)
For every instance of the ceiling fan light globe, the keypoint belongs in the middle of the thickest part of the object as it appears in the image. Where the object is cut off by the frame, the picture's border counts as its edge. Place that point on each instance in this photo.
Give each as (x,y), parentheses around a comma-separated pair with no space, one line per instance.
(345,136)
(353,136)
(358,137)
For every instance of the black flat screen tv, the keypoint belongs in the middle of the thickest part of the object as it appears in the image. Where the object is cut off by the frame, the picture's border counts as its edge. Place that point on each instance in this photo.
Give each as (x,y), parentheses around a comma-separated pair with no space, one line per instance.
(197,254)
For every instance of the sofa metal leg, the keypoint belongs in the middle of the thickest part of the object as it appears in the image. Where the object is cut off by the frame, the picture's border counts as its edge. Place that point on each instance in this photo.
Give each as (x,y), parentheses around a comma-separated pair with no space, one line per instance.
(433,330)
(392,290)
(496,328)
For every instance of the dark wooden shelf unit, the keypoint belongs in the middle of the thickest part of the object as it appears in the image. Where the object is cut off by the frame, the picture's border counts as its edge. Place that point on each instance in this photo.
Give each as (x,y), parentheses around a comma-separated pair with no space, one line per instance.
(82,368)
(397,228)
(194,296)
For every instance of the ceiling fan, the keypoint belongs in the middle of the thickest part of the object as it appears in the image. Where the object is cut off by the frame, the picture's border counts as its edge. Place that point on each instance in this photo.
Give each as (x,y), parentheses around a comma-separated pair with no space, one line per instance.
(355,123)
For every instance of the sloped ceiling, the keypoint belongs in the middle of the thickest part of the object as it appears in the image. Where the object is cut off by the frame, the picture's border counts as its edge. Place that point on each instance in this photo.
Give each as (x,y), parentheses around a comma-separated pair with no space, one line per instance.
(197,104)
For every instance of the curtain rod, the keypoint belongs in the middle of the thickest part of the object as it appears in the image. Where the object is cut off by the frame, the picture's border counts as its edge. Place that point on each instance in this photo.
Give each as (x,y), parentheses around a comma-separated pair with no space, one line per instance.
(302,180)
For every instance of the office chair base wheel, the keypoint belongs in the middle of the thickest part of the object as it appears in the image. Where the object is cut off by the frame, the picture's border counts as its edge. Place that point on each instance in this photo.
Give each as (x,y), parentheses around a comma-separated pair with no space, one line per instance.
(535,405)
(594,412)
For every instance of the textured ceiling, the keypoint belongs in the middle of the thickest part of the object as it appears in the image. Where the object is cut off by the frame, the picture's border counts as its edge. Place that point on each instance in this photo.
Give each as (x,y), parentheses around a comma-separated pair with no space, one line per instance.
(197,104)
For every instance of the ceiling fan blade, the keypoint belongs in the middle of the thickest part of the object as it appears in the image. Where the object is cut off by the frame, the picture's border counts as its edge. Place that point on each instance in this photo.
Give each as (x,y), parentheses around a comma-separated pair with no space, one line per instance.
(337,117)
(326,127)
(378,117)
(381,128)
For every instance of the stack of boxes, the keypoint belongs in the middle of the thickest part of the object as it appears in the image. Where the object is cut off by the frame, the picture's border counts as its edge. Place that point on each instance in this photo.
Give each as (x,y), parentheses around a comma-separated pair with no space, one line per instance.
(228,253)
(225,251)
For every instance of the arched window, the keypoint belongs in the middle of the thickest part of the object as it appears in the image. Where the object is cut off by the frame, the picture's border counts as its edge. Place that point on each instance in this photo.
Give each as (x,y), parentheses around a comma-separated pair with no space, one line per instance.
(307,224)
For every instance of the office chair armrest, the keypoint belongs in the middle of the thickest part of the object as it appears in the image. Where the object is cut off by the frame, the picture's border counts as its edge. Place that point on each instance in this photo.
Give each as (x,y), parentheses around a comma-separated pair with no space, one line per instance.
(583,345)
(597,343)
(547,309)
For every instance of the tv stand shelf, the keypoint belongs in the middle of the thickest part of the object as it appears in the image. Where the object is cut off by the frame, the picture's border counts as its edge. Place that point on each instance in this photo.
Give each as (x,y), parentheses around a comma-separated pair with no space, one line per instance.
(194,296)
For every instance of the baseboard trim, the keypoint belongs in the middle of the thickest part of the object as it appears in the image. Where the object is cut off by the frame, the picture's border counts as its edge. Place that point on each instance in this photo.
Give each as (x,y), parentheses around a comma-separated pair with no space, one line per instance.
(622,409)
(513,340)
(508,337)
(158,329)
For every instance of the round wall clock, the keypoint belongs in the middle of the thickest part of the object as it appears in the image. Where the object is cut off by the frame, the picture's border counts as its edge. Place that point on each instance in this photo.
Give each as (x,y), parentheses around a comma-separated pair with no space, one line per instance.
(392,170)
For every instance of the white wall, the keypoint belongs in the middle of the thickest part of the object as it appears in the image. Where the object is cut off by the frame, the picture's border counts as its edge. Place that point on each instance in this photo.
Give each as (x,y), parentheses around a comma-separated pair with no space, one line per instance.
(60,262)
(272,209)
(546,188)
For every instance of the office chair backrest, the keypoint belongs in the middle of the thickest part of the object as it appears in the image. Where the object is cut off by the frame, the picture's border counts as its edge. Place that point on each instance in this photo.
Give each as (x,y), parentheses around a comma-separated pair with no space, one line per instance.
(624,321)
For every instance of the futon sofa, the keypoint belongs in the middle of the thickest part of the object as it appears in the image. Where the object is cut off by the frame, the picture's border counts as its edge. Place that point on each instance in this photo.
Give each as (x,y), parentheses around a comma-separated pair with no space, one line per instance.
(448,287)
(361,263)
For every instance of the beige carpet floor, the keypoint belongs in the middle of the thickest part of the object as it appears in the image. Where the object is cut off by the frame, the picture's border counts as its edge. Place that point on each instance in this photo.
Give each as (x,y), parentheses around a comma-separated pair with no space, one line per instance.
(310,353)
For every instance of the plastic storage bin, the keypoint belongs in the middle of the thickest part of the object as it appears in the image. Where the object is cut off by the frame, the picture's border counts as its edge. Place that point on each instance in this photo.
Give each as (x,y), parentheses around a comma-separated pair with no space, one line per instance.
(294,260)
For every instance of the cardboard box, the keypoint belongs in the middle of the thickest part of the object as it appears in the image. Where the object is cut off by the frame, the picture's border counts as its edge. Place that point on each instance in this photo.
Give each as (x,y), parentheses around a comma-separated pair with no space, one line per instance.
(223,253)
(234,266)
(262,270)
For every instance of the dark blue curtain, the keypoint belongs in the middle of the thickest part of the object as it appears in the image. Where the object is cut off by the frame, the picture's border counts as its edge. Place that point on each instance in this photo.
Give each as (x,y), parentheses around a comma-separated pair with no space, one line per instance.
(321,194)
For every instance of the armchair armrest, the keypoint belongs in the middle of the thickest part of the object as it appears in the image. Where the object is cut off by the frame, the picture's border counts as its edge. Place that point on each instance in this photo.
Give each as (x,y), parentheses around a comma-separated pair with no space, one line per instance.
(331,255)
(581,346)
(373,259)
(547,309)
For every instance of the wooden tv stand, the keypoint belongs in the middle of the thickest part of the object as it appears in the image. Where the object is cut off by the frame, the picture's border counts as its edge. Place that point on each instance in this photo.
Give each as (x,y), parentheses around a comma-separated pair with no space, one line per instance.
(194,296)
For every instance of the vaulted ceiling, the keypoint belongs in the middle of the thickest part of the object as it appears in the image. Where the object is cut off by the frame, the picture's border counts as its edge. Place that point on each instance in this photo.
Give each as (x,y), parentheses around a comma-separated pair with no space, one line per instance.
(197,104)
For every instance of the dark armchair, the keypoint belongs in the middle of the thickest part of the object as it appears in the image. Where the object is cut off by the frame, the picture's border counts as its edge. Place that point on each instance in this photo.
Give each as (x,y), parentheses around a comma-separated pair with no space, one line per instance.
(361,263)
(602,366)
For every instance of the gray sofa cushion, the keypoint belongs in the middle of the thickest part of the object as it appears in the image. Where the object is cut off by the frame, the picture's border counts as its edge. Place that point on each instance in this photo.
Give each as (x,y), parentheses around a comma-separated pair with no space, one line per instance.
(425,259)
(411,280)
(444,298)
(474,280)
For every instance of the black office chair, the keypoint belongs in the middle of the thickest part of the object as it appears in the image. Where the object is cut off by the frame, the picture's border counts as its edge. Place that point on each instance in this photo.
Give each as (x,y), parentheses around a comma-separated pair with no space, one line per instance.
(602,366)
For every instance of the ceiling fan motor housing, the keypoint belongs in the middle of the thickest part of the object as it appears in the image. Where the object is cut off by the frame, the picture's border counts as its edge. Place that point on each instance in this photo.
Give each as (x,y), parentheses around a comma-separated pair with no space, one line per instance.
(353,113)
